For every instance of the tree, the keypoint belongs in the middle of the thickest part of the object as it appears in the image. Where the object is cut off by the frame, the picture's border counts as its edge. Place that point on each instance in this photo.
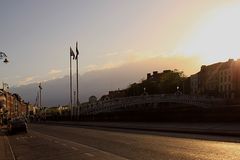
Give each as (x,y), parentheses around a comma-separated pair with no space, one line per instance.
(166,83)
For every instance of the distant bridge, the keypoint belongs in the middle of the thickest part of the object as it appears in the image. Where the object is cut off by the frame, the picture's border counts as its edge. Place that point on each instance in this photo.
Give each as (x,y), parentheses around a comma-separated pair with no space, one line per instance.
(127,103)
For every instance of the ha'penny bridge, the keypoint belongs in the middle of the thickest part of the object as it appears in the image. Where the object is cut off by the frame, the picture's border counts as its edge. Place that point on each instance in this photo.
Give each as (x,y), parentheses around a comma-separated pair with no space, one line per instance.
(145,102)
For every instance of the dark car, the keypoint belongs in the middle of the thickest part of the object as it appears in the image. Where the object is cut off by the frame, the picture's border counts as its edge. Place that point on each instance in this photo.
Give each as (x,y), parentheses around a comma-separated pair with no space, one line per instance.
(17,124)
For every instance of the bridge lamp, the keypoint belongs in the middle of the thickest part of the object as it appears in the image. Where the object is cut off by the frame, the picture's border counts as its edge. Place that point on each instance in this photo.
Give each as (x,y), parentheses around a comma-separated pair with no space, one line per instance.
(177,88)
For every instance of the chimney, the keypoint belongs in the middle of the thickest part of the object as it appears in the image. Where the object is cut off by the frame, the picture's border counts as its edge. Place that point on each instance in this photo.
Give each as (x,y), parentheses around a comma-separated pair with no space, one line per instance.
(148,75)
(155,73)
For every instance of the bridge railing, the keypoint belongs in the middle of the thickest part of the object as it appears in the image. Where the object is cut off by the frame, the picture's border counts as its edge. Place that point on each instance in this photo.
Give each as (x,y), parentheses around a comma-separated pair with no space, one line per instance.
(110,105)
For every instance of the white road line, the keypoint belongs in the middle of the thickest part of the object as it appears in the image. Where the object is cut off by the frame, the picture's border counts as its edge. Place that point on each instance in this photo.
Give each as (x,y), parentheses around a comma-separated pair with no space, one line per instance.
(74,148)
(81,145)
(63,144)
(10,147)
(56,142)
(89,154)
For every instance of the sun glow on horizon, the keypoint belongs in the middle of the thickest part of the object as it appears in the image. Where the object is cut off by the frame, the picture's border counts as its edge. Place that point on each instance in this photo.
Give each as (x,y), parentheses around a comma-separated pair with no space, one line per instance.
(216,37)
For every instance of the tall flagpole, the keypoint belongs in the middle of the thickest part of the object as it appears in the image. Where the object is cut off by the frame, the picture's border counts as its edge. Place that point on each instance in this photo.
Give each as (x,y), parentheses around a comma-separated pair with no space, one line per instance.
(71,82)
(77,53)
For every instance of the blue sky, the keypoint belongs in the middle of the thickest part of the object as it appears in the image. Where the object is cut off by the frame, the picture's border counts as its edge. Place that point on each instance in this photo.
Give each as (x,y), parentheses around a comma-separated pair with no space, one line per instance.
(36,35)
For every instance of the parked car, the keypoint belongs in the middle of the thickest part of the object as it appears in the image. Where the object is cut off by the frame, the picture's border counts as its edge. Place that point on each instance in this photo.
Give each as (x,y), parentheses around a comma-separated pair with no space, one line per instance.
(17,124)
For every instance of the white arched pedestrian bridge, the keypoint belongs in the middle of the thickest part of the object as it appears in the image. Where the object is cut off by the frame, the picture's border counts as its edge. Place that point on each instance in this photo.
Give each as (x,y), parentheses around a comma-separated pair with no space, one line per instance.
(126,103)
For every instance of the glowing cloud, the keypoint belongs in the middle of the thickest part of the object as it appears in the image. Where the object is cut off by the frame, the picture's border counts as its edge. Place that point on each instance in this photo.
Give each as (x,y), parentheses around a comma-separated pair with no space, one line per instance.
(27,80)
(54,71)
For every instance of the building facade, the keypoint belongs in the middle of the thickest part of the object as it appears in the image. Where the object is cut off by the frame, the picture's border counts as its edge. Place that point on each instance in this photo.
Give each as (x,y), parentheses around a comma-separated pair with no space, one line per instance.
(219,80)
(194,84)
(11,106)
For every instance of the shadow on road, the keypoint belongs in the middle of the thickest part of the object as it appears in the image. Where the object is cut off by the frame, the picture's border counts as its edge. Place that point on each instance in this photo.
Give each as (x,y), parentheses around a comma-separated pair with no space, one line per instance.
(158,133)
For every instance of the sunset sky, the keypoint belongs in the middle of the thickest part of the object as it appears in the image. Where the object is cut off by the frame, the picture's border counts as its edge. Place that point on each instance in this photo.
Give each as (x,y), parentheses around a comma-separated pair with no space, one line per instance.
(36,35)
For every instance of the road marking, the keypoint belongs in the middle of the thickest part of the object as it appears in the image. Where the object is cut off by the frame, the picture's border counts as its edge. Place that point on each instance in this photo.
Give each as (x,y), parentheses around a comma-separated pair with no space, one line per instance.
(10,147)
(23,137)
(56,142)
(89,154)
(74,148)
(82,145)
(63,144)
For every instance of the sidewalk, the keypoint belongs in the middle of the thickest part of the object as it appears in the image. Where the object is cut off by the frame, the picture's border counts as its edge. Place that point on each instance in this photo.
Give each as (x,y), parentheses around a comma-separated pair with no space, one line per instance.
(5,152)
(221,129)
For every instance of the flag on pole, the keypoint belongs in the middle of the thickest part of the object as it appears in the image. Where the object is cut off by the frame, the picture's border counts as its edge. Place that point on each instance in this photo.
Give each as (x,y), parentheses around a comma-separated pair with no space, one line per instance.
(72,53)
(40,86)
(77,52)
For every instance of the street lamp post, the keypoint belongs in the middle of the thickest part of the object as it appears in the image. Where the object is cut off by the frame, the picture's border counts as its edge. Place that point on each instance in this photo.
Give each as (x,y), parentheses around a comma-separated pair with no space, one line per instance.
(40,94)
(4,56)
(40,100)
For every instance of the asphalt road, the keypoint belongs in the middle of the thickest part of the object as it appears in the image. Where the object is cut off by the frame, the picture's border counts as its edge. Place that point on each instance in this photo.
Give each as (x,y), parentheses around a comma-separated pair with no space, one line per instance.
(49,142)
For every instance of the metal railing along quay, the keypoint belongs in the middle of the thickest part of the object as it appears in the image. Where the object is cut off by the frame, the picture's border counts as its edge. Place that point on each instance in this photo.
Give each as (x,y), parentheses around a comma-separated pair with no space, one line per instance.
(128,102)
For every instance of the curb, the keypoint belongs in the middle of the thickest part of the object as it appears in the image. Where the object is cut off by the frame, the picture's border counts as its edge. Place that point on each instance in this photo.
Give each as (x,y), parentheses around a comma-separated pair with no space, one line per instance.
(5,147)
(208,131)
